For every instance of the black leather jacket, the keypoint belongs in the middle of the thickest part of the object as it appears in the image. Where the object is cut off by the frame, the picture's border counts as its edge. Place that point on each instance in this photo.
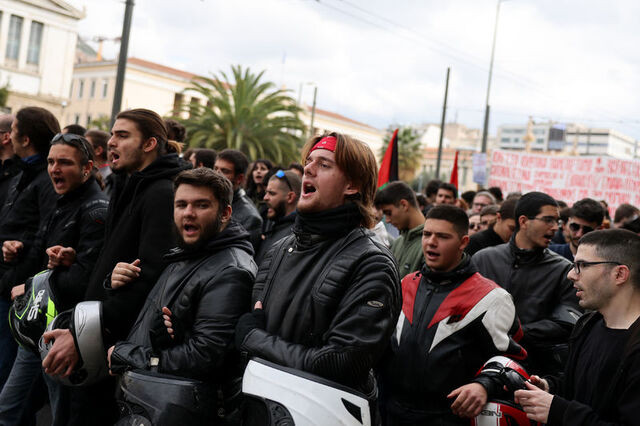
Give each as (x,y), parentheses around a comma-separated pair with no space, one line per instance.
(272,231)
(206,291)
(545,299)
(245,213)
(78,221)
(331,305)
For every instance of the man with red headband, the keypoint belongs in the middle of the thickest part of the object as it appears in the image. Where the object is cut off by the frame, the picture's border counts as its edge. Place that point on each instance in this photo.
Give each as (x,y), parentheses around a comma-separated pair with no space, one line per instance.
(327,297)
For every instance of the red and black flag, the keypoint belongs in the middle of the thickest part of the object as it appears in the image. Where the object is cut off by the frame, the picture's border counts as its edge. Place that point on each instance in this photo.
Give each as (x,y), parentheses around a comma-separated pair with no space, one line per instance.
(389,167)
(454,172)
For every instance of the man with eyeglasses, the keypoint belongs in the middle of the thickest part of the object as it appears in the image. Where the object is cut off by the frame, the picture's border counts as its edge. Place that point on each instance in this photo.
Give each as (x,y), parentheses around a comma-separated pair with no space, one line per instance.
(537,279)
(601,382)
(481,200)
(585,216)
(281,196)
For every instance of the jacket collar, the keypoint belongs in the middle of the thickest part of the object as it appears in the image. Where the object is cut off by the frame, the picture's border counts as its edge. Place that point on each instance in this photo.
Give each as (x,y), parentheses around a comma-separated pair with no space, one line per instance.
(522,256)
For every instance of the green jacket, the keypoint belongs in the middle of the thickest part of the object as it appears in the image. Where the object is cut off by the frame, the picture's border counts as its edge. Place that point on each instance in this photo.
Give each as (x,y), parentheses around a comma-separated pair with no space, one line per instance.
(407,249)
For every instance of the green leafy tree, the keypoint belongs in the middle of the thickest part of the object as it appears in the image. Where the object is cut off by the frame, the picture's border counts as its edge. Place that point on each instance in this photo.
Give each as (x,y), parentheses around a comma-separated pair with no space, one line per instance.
(4,95)
(247,114)
(409,150)
(101,123)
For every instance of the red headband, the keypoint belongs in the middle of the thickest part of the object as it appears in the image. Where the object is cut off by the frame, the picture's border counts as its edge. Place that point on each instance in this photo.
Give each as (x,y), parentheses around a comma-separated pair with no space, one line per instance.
(328,143)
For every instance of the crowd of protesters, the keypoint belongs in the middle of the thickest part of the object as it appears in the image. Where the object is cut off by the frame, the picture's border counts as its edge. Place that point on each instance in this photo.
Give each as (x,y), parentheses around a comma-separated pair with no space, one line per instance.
(205,260)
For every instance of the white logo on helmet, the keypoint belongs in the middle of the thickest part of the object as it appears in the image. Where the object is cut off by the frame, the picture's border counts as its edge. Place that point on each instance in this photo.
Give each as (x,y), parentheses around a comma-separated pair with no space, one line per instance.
(33,310)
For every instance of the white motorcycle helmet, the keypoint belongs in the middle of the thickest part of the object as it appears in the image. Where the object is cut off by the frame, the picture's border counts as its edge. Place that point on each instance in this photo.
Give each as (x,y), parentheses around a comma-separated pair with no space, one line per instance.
(86,327)
(285,397)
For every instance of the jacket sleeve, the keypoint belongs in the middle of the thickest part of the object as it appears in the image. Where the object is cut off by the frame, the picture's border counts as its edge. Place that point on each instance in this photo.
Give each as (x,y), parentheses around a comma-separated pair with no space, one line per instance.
(558,326)
(224,299)
(72,281)
(26,266)
(358,334)
(565,412)
(121,306)
(502,324)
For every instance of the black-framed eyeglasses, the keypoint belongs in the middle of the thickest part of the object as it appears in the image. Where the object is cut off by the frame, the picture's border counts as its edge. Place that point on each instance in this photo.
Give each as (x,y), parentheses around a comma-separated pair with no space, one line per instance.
(280,174)
(548,220)
(578,265)
(475,225)
(575,227)
(76,140)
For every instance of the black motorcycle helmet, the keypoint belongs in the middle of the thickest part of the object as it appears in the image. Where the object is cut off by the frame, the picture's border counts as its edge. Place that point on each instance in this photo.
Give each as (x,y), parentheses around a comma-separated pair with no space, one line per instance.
(32,312)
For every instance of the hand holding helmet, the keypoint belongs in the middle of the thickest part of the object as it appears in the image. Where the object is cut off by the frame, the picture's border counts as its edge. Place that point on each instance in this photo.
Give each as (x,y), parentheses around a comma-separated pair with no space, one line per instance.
(62,357)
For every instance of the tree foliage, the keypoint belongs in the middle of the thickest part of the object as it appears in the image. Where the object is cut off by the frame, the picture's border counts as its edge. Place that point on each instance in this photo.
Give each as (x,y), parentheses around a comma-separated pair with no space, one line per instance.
(245,113)
(409,150)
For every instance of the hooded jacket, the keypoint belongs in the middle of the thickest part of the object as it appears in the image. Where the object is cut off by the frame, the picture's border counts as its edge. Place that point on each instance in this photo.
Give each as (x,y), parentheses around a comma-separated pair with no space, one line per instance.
(206,290)
(78,221)
(545,299)
(330,305)
(139,226)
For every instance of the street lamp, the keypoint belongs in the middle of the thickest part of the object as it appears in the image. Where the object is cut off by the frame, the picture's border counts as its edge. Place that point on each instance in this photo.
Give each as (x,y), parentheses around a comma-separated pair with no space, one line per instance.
(485,128)
(313,106)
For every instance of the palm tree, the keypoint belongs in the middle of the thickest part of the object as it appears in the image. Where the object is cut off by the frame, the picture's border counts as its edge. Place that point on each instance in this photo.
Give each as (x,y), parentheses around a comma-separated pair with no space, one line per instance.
(409,150)
(246,114)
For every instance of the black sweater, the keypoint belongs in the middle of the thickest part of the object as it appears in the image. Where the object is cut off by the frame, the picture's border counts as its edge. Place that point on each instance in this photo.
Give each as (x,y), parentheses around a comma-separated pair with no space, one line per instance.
(139,226)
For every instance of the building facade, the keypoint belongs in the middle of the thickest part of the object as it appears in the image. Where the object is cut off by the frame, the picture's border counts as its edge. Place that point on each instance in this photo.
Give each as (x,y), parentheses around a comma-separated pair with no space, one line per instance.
(146,85)
(37,50)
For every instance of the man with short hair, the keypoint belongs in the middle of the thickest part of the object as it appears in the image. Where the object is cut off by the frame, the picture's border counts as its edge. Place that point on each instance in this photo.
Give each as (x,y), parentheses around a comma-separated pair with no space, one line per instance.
(447,194)
(29,201)
(585,216)
(138,233)
(537,279)
(430,191)
(498,233)
(488,216)
(601,382)
(398,203)
(453,320)
(625,213)
(481,200)
(202,292)
(233,165)
(74,129)
(98,140)
(204,157)
(327,297)
(281,197)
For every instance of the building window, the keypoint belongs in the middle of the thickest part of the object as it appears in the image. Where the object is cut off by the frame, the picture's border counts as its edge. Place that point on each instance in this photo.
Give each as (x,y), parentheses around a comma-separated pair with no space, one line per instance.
(76,119)
(92,90)
(80,90)
(13,41)
(88,120)
(35,41)
(105,86)
(71,89)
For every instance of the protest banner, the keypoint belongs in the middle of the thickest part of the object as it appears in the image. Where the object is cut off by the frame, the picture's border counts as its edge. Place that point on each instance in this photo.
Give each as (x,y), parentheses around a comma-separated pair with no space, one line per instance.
(567,178)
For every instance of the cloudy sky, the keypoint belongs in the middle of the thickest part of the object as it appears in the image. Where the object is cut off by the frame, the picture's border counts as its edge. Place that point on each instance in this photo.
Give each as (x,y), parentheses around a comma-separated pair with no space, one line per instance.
(384,62)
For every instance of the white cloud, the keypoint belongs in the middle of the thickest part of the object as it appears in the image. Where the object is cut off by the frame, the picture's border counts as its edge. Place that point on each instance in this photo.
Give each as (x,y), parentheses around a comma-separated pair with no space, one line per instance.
(573,60)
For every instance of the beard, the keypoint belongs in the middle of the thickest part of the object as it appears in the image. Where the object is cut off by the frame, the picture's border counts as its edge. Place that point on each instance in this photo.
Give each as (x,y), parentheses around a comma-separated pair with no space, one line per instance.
(209,231)
(279,210)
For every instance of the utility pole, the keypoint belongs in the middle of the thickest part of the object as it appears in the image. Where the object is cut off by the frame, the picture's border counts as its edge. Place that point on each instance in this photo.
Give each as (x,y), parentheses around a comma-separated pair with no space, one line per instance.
(485,128)
(122,61)
(444,113)
(313,111)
